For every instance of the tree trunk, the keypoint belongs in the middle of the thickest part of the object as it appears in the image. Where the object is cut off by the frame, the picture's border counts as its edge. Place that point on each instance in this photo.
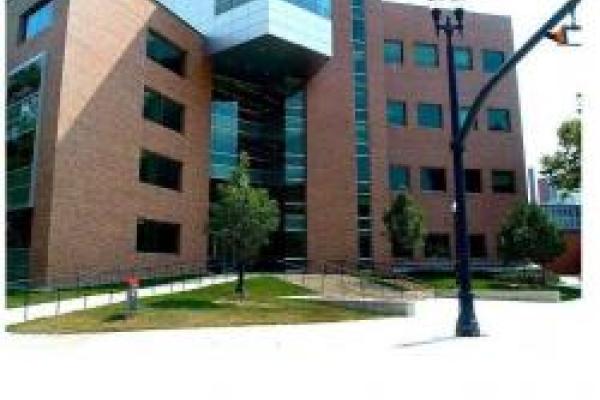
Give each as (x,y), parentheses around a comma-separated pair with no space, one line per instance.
(239,289)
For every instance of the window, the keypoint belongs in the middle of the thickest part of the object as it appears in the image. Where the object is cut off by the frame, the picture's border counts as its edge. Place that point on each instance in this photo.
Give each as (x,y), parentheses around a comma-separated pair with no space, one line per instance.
(462,116)
(365,245)
(399,178)
(426,55)
(157,237)
(160,171)
(499,120)
(433,179)
(477,246)
(430,115)
(165,53)
(492,60)
(463,58)
(163,111)
(396,113)
(37,19)
(393,52)
(473,180)
(401,251)
(437,245)
(503,181)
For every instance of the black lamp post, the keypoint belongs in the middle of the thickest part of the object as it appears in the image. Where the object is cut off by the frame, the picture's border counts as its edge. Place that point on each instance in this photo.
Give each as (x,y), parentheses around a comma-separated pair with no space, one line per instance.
(467,325)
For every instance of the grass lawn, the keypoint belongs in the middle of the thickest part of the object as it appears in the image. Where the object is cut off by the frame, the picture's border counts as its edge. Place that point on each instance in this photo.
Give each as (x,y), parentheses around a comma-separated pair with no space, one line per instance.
(444,281)
(212,306)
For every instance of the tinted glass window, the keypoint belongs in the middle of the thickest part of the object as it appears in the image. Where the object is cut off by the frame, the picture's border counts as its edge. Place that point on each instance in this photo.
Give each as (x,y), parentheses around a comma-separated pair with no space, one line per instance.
(165,53)
(499,120)
(503,182)
(437,246)
(160,171)
(430,115)
(163,111)
(396,113)
(392,52)
(463,117)
(477,246)
(463,58)
(426,55)
(473,180)
(157,237)
(492,60)
(399,178)
(433,179)
(37,19)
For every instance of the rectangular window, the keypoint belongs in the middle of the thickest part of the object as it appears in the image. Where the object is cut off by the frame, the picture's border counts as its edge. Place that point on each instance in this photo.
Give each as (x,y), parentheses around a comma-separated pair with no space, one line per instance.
(163,111)
(492,60)
(499,120)
(473,180)
(463,58)
(437,245)
(157,237)
(399,178)
(503,181)
(396,113)
(426,55)
(430,116)
(393,53)
(165,53)
(37,19)
(477,246)
(462,116)
(160,171)
(433,179)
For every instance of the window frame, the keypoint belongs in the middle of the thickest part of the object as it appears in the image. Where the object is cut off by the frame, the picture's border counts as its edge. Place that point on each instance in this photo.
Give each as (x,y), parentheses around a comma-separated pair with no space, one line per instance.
(427,246)
(405,168)
(179,184)
(161,121)
(155,250)
(402,104)
(513,189)
(468,51)
(427,190)
(506,112)
(485,253)
(484,65)
(400,44)
(24,17)
(480,180)
(441,116)
(184,54)
(434,46)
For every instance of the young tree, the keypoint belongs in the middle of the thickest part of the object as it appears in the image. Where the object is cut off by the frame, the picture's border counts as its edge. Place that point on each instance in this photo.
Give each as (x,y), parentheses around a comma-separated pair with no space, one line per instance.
(405,223)
(243,218)
(529,235)
(563,168)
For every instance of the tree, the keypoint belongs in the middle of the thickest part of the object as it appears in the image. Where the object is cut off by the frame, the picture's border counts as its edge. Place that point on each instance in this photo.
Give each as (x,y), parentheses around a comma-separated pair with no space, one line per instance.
(563,168)
(405,224)
(528,235)
(243,218)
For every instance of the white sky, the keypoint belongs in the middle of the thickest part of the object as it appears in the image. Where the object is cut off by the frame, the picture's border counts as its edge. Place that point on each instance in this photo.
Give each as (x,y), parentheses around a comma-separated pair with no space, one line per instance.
(549,77)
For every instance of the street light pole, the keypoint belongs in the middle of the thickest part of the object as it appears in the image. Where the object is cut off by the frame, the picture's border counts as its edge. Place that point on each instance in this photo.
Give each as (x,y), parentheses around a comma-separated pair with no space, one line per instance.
(467,325)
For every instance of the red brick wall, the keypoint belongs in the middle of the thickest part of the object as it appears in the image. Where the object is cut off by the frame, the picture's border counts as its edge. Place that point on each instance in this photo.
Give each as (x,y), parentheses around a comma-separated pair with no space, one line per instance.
(569,263)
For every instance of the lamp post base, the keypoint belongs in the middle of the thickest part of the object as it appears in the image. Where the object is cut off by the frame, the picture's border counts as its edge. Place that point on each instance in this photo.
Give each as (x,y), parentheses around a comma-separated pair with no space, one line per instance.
(467,325)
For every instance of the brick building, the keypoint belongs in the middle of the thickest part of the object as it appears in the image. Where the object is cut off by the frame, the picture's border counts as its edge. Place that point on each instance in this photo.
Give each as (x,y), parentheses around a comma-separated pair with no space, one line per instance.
(124,114)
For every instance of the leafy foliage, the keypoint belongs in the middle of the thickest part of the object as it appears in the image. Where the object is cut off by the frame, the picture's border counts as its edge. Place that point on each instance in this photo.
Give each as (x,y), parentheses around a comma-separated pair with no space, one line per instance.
(563,168)
(529,235)
(405,223)
(243,217)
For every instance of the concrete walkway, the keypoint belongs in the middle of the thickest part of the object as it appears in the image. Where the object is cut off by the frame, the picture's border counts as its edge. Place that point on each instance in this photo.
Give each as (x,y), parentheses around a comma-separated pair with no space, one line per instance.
(35,311)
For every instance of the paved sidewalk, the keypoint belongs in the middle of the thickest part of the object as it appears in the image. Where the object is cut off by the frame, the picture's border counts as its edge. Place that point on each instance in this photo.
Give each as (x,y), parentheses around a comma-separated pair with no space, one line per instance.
(35,311)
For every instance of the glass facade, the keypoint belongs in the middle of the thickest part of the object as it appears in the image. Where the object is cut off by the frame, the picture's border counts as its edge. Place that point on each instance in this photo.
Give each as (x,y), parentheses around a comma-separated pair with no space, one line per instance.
(426,55)
(37,20)
(396,113)
(267,122)
(492,60)
(499,120)
(393,52)
(22,130)
(361,121)
(430,116)
(319,7)
(165,53)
